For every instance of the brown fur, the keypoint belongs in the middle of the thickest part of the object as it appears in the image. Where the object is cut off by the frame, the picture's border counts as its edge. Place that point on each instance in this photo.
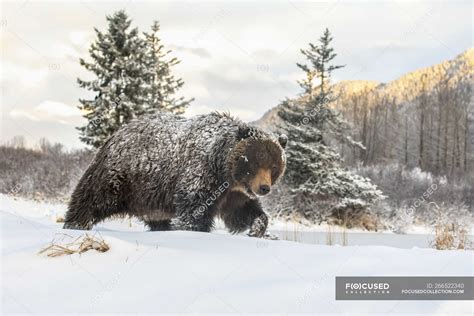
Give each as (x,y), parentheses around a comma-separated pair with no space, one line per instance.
(263,177)
(213,165)
(255,162)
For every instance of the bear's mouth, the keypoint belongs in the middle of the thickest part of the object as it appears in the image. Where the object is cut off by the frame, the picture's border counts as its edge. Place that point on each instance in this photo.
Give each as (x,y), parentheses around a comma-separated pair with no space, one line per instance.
(245,189)
(249,192)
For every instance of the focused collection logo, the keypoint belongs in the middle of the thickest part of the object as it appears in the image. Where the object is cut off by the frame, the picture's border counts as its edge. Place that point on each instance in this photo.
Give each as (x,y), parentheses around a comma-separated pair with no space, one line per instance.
(367,288)
(404,288)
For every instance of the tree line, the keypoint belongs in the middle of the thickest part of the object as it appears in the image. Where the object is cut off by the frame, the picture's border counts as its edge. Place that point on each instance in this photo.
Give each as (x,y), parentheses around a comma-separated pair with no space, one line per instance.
(428,126)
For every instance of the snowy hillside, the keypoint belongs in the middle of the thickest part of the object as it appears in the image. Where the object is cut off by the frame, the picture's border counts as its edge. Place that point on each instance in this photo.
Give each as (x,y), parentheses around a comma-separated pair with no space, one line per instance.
(404,89)
(145,272)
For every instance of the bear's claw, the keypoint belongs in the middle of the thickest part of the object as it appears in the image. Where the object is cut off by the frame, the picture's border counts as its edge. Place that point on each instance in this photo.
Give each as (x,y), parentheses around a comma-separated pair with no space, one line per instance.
(270,236)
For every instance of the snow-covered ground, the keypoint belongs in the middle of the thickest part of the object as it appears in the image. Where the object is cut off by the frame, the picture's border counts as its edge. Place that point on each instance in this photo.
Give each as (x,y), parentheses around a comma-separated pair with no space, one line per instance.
(167,272)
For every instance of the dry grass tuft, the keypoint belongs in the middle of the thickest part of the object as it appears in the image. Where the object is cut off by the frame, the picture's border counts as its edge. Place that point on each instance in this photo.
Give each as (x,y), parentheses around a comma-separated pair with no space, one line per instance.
(79,245)
(353,218)
(329,238)
(451,236)
(344,236)
(336,235)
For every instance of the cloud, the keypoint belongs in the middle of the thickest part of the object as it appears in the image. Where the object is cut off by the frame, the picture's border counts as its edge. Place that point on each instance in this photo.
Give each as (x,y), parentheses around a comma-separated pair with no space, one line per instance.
(195,90)
(265,54)
(60,51)
(49,111)
(22,75)
(200,52)
(79,38)
(193,110)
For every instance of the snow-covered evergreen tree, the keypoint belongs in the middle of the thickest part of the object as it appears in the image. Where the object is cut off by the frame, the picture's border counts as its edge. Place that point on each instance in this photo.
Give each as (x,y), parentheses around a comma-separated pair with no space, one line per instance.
(117,63)
(132,77)
(314,169)
(162,85)
(319,58)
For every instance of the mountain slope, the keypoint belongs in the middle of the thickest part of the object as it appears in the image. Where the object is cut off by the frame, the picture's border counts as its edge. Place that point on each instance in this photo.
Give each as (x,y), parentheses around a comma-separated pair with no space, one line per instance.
(405,89)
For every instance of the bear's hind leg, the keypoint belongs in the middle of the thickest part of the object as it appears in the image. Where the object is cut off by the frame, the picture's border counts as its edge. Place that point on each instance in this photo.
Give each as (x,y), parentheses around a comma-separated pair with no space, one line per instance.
(84,211)
(78,218)
(84,218)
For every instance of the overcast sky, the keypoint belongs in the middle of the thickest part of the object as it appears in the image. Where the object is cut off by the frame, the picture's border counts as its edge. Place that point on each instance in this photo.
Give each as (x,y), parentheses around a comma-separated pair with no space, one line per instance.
(236,56)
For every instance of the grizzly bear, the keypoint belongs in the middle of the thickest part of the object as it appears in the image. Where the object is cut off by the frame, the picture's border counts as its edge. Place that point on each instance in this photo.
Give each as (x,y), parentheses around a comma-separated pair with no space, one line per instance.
(180,174)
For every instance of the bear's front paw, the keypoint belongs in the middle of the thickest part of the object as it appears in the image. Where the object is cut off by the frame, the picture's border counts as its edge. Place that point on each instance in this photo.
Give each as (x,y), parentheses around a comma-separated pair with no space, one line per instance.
(259,226)
(270,236)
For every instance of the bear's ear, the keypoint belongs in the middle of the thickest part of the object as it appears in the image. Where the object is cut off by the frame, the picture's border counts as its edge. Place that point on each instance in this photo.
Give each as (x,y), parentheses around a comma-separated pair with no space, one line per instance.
(243,132)
(282,139)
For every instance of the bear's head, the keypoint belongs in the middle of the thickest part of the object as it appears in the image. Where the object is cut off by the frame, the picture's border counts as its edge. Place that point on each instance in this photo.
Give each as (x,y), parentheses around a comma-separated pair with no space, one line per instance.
(257,161)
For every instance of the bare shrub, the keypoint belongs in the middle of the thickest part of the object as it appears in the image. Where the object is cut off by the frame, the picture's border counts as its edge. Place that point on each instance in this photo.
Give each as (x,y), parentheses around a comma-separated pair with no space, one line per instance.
(316,209)
(451,236)
(354,217)
(47,173)
(411,194)
(450,232)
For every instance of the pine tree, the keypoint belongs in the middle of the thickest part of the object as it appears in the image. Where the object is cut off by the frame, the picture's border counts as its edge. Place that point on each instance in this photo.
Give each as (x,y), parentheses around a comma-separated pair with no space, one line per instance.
(314,169)
(319,58)
(117,63)
(132,77)
(162,85)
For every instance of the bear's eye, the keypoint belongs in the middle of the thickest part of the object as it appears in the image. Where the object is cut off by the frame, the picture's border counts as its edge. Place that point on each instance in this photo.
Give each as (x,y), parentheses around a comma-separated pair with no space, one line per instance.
(275,168)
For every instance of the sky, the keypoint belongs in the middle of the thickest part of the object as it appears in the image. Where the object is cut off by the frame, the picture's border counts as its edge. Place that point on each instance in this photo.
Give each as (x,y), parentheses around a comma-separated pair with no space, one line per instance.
(236,56)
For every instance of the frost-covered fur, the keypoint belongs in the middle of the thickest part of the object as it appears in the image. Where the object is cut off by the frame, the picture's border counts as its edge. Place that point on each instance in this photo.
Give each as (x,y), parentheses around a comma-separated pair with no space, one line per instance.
(179,174)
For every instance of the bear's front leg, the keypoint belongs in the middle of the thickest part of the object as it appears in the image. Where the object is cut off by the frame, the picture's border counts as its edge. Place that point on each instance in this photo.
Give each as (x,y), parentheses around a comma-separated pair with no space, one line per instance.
(193,221)
(249,215)
(259,226)
(259,222)
(193,213)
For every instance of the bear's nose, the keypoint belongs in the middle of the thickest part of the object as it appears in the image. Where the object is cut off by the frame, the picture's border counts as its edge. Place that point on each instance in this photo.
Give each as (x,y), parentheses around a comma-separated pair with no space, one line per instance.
(264,189)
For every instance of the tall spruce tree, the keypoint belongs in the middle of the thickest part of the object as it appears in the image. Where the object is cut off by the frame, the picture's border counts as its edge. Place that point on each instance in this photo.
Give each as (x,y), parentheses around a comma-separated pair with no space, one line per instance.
(119,86)
(314,169)
(162,85)
(132,77)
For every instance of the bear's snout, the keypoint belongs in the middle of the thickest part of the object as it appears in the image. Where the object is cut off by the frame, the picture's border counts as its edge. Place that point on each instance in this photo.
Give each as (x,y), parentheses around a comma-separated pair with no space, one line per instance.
(262,182)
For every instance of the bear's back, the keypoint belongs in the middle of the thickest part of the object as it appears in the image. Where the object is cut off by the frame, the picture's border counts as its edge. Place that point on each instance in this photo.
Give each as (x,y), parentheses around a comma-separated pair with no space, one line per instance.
(165,142)
(138,145)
